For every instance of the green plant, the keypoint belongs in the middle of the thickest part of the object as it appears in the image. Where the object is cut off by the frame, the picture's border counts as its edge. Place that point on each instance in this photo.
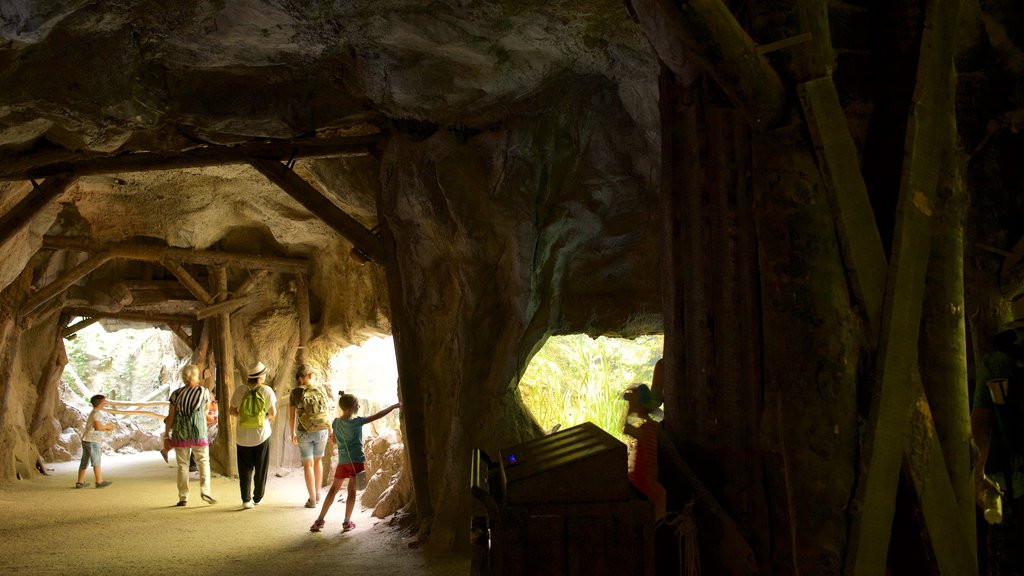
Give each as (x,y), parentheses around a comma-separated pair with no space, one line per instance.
(575,379)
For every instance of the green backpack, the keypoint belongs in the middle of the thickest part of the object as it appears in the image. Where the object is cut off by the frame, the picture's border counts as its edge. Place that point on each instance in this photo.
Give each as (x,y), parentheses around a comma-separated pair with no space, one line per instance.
(253,411)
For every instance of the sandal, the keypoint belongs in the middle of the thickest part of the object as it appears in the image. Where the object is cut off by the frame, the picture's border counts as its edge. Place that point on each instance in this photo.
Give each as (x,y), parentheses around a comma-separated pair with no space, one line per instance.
(81,484)
(317,526)
(209,499)
(346,526)
(310,503)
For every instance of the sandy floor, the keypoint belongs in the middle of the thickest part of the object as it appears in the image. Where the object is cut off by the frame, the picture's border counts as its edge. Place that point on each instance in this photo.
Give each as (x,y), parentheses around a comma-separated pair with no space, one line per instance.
(133,527)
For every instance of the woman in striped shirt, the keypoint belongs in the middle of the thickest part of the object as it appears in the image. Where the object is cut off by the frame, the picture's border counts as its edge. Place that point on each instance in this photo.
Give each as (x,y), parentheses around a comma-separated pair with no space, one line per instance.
(186,424)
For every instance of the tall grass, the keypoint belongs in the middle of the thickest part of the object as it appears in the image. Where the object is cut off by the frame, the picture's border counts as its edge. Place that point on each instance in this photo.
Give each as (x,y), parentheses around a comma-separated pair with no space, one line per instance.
(575,379)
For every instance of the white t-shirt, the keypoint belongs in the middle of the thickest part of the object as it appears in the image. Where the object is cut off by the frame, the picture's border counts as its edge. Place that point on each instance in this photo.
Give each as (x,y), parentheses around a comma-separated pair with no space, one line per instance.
(91,433)
(253,436)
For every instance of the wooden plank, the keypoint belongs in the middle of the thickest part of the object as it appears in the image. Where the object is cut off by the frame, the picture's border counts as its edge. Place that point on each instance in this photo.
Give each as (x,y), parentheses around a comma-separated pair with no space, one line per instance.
(155,253)
(131,315)
(46,164)
(61,284)
(302,305)
(224,307)
(224,348)
(304,193)
(18,217)
(70,330)
(859,239)
(251,282)
(706,32)
(888,424)
(178,331)
(188,281)
(951,541)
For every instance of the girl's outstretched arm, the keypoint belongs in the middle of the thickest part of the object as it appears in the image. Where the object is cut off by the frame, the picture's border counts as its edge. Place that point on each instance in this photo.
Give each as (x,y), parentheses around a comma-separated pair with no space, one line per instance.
(382,413)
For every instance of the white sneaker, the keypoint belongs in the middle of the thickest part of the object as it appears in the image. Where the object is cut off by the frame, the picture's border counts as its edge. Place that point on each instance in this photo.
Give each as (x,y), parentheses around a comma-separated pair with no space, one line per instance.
(247,504)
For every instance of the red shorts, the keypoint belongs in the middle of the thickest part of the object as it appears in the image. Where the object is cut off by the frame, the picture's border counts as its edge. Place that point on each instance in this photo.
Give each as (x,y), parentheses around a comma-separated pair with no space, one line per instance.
(348,470)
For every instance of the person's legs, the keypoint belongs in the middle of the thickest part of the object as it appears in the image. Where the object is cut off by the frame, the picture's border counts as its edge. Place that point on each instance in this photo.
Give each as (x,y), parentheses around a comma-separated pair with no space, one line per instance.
(262,466)
(97,463)
(319,445)
(350,501)
(182,456)
(307,471)
(203,461)
(318,475)
(246,463)
(335,488)
(86,451)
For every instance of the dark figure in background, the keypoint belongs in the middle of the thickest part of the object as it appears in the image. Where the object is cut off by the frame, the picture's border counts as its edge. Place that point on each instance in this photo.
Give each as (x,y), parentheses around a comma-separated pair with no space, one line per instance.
(997,422)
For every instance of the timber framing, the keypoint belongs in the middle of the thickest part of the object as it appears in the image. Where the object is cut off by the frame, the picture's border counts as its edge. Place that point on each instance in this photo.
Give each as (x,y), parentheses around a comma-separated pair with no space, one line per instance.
(17,218)
(172,258)
(51,163)
(157,253)
(304,193)
(131,315)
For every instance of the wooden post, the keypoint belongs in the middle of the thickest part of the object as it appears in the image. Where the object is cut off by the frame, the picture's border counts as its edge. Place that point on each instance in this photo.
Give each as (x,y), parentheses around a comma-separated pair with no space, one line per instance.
(704,32)
(885,439)
(302,303)
(224,348)
(18,218)
(155,253)
(10,334)
(203,344)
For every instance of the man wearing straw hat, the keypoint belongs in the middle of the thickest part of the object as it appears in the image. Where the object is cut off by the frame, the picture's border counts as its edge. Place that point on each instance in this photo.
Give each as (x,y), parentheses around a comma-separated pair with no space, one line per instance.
(255,405)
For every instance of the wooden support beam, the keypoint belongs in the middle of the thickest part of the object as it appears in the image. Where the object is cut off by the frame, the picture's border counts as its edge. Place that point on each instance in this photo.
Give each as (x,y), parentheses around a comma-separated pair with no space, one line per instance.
(706,32)
(951,541)
(131,315)
(225,349)
(302,304)
(70,330)
(203,344)
(155,253)
(61,284)
(180,333)
(304,193)
(251,282)
(188,281)
(224,307)
(859,238)
(888,423)
(42,165)
(18,218)
(738,557)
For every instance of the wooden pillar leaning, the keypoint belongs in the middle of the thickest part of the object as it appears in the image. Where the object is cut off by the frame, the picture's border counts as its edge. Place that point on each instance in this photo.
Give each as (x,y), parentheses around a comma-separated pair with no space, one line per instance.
(225,350)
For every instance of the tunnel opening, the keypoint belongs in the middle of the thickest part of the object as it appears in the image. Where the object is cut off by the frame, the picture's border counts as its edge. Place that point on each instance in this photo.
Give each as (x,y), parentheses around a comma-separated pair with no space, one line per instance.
(575,378)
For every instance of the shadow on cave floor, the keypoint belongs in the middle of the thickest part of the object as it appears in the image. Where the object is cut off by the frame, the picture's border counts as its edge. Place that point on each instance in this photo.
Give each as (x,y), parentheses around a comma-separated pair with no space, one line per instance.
(133,527)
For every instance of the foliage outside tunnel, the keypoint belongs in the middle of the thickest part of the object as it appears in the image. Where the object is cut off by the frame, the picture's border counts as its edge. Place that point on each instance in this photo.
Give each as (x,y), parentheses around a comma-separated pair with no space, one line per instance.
(575,379)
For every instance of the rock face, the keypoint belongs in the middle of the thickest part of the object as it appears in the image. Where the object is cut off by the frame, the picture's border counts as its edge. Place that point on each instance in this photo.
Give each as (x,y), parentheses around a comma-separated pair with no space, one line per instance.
(513,188)
(512,178)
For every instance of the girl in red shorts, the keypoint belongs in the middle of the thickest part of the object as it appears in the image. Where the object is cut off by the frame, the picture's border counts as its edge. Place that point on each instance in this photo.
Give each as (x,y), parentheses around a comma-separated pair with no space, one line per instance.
(348,433)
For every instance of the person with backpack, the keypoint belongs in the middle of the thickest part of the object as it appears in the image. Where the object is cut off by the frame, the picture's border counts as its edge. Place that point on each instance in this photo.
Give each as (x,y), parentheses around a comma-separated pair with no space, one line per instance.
(309,422)
(997,423)
(255,405)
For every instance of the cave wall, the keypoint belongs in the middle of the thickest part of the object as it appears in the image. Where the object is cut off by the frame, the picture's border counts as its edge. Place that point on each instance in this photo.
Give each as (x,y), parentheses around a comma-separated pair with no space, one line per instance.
(493,247)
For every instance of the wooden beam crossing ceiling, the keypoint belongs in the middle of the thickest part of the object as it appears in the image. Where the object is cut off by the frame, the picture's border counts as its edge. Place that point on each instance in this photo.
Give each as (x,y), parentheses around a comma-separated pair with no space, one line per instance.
(304,193)
(151,253)
(18,217)
(132,315)
(50,163)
